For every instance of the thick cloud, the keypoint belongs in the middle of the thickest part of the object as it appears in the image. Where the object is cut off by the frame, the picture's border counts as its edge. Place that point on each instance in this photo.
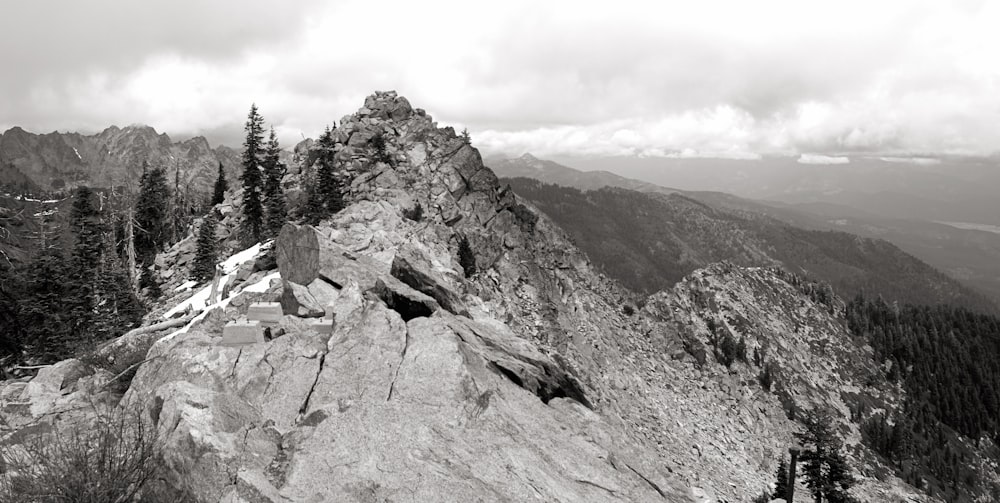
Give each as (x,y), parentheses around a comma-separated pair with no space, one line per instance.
(729,79)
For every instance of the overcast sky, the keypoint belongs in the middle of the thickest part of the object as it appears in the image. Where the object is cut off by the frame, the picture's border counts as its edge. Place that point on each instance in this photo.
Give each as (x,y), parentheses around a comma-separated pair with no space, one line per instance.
(719,79)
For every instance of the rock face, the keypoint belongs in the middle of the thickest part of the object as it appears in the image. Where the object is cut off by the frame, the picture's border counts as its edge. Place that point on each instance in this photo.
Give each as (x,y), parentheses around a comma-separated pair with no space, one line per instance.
(526,381)
(388,406)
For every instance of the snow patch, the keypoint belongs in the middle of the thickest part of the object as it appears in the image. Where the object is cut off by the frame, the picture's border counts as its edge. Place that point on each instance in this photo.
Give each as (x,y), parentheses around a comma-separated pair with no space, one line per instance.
(230,265)
(258,287)
(200,301)
(262,285)
(77,152)
(186,285)
(47,201)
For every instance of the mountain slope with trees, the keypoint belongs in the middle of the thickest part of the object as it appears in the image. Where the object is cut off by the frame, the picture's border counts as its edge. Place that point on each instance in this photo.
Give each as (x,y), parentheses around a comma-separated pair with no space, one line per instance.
(970,256)
(650,241)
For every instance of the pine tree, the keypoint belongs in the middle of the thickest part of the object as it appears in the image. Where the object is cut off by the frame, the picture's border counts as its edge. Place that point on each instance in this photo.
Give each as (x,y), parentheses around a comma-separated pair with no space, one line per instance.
(40,306)
(206,254)
(253,211)
(11,333)
(315,210)
(465,137)
(381,153)
(117,308)
(826,471)
(151,215)
(86,222)
(274,196)
(330,190)
(329,186)
(466,258)
(324,195)
(781,480)
(221,186)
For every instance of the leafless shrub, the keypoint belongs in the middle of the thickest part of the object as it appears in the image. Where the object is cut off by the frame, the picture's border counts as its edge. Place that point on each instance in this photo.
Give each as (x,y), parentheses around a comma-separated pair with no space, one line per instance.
(108,460)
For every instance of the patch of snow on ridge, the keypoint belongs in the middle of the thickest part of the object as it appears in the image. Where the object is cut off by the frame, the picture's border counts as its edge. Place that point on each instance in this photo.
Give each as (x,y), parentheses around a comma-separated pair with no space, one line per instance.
(186,285)
(258,287)
(262,285)
(232,263)
(200,301)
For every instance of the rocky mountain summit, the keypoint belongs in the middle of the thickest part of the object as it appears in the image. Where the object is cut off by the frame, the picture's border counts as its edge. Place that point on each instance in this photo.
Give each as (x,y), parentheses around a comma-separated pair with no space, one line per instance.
(526,377)
(114,156)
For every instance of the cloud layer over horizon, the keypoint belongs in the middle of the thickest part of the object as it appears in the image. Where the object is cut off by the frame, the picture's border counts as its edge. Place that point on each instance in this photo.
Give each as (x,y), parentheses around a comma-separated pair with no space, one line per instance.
(722,79)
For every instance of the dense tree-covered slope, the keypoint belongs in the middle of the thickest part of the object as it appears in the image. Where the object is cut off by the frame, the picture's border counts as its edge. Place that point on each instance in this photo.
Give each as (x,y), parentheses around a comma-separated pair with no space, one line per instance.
(650,241)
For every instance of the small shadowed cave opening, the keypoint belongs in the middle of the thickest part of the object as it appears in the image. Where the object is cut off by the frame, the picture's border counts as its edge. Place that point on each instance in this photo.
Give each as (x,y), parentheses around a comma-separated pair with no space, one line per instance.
(406,307)
(551,386)
(509,374)
(564,387)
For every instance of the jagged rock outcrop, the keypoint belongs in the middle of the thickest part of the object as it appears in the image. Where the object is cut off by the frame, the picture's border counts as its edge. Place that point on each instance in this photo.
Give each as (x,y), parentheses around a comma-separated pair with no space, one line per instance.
(420,393)
(415,409)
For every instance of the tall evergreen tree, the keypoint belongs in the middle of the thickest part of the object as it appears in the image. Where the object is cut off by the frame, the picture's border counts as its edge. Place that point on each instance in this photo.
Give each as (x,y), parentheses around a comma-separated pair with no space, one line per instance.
(324,194)
(380,152)
(87,224)
(274,196)
(330,190)
(221,186)
(253,211)
(88,227)
(41,309)
(329,186)
(117,309)
(151,215)
(11,332)
(781,480)
(315,209)
(826,471)
(466,258)
(206,254)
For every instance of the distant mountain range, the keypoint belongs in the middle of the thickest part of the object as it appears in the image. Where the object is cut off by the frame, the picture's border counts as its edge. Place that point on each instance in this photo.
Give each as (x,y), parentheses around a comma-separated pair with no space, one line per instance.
(954,189)
(54,161)
(672,232)
(529,166)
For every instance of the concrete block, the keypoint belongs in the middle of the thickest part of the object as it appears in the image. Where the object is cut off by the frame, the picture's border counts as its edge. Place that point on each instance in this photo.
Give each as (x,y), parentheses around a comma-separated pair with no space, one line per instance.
(239,333)
(321,325)
(267,313)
